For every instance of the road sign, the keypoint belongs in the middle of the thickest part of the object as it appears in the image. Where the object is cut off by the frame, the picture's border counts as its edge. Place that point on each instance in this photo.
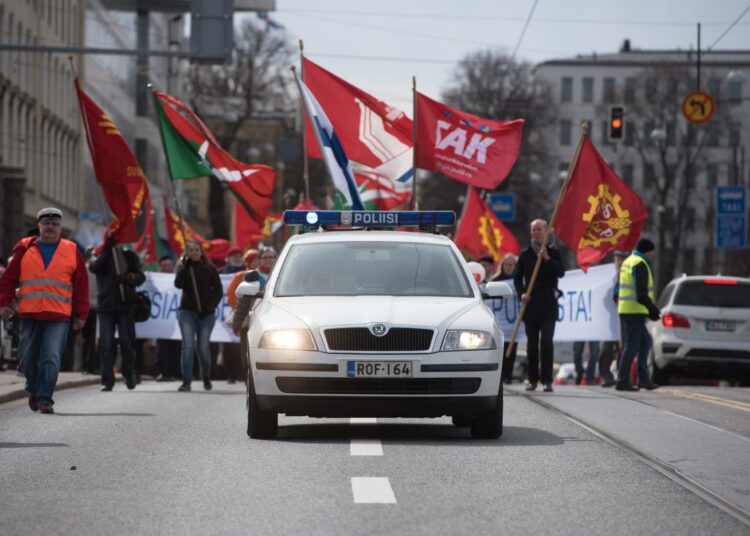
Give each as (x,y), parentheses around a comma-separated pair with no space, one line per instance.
(698,107)
(731,217)
(503,205)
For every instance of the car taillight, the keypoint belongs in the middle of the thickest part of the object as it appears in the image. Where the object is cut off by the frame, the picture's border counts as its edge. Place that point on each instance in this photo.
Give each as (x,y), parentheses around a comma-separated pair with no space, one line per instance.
(721,282)
(673,320)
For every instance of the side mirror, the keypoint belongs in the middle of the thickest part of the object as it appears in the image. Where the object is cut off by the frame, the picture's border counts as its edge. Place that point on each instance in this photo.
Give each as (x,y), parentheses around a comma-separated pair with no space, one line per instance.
(252,276)
(248,289)
(497,289)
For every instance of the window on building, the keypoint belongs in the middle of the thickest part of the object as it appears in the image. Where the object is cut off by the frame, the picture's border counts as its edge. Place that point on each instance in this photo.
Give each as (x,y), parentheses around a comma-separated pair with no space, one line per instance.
(565,131)
(629,90)
(714,87)
(690,219)
(567,89)
(609,90)
(712,134)
(627,174)
(588,89)
(650,88)
(734,132)
(605,126)
(735,91)
(712,176)
(649,175)
(629,133)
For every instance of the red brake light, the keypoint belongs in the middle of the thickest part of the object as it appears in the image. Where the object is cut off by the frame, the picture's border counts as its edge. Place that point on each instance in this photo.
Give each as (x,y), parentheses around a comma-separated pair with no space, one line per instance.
(721,282)
(673,320)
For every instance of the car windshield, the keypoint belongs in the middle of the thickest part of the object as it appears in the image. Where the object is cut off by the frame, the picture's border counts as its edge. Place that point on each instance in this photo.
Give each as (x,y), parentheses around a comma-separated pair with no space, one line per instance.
(713,295)
(372,269)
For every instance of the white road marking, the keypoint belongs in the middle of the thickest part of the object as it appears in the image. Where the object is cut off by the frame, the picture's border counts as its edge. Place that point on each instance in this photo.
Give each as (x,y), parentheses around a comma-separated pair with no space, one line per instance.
(363,420)
(372,490)
(366,447)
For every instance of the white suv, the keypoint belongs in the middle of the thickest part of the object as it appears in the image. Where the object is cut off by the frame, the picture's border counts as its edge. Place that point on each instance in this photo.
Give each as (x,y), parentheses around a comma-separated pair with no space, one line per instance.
(704,330)
(373,324)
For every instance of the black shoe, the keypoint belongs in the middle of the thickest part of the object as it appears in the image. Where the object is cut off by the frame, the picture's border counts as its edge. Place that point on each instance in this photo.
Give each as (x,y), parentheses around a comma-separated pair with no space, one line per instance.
(649,386)
(608,383)
(105,388)
(621,387)
(548,388)
(184,387)
(531,386)
(130,381)
(207,384)
(579,379)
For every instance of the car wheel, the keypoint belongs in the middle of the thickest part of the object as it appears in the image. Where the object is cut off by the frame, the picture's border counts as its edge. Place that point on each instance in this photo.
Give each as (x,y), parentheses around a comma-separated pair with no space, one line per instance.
(489,425)
(658,376)
(260,424)
(461,421)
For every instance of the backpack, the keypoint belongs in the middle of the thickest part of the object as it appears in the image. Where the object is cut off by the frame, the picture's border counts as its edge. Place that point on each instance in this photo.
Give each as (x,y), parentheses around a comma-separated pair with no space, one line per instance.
(142,307)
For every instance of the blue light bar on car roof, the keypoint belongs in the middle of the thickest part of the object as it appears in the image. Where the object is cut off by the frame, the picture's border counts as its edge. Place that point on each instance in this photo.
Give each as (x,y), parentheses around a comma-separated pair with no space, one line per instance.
(369,218)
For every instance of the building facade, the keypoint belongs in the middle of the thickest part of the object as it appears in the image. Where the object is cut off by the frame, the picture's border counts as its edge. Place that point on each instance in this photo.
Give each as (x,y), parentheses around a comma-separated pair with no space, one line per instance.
(673,165)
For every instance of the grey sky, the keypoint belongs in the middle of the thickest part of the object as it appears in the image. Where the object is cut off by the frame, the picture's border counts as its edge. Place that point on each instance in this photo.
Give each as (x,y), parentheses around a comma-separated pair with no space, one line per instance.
(443,32)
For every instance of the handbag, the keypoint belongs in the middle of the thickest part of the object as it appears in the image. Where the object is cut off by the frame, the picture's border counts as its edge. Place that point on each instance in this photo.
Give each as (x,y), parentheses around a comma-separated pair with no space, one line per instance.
(142,307)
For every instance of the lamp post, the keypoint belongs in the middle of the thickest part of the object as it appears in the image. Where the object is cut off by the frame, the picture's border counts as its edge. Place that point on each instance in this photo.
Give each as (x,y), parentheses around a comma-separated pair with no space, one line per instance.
(659,136)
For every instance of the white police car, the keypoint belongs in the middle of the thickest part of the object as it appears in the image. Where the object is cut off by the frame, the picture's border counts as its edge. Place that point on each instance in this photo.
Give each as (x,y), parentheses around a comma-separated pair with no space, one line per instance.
(363,323)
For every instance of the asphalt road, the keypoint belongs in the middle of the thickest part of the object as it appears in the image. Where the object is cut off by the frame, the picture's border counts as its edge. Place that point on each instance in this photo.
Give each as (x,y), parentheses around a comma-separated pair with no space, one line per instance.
(157,461)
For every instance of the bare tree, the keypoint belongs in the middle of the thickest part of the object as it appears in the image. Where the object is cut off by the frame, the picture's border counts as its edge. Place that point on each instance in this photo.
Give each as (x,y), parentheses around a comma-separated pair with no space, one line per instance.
(490,84)
(256,80)
(675,150)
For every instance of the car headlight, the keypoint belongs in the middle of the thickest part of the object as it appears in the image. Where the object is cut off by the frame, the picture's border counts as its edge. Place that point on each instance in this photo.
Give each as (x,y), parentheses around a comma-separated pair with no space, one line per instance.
(288,339)
(464,339)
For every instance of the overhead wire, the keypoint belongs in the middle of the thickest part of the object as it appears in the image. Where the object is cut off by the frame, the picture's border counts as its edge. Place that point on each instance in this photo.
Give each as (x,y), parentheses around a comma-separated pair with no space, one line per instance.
(734,23)
(523,32)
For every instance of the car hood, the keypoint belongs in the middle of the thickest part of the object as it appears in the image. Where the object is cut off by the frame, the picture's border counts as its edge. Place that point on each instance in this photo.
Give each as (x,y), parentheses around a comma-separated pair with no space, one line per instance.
(323,312)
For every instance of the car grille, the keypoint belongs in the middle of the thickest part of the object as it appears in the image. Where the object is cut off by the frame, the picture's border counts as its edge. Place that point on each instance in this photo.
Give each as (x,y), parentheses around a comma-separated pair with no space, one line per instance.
(396,340)
(726,354)
(378,386)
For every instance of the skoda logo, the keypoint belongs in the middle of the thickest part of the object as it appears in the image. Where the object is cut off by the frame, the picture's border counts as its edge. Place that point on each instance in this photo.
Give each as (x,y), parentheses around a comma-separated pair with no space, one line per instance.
(378,330)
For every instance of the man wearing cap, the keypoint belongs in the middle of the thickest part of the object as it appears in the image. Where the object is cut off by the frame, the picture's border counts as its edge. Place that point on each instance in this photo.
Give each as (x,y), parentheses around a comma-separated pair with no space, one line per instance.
(635,305)
(48,276)
(234,262)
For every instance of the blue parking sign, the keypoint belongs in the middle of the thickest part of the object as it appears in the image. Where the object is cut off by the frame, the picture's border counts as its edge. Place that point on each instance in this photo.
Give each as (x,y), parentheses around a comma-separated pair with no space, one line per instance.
(503,205)
(731,217)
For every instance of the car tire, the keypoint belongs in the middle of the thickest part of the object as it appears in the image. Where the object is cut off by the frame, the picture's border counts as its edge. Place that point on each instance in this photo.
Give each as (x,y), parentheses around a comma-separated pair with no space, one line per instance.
(658,376)
(489,425)
(260,424)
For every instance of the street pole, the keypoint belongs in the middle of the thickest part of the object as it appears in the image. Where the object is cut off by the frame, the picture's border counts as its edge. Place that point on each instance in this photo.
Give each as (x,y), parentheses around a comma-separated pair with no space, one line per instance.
(305,165)
(413,205)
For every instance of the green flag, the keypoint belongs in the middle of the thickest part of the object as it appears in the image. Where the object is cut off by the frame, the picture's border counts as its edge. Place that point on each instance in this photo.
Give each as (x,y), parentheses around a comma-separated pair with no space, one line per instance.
(183,157)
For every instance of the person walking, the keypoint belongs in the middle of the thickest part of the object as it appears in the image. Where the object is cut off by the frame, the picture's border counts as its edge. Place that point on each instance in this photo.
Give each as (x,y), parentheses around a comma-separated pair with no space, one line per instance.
(541,305)
(118,273)
(167,350)
(235,361)
(611,349)
(52,281)
(90,356)
(201,293)
(506,272)
(636,305)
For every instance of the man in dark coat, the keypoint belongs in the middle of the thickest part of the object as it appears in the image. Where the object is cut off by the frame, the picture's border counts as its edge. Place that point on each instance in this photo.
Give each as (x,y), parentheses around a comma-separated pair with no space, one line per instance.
(118,273)
(541,304)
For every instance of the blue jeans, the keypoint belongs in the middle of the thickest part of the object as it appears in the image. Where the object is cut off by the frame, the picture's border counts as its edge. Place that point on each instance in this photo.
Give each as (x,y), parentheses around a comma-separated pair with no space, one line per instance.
(191,327)
(41,345)
(593,359)
(637,343)
(126,334)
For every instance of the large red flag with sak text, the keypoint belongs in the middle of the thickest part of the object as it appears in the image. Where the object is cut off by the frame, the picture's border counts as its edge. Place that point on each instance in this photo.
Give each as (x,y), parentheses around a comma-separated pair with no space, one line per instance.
(599,213)
(481,232)
(115,167)
(476,151)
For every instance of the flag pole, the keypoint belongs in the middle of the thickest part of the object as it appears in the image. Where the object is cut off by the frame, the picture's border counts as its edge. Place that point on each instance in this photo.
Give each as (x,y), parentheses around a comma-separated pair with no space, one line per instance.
(178,208)
(305,165)
(101,194)
(413,204)
(535,273)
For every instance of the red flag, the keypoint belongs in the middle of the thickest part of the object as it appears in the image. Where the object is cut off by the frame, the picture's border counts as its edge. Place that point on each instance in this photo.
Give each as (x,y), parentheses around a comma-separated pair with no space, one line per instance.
(146,245)
(470,149)
(481,233)
(216,249)
(192,151)
(115,167)
(248,232)
(375,136)
(600,213)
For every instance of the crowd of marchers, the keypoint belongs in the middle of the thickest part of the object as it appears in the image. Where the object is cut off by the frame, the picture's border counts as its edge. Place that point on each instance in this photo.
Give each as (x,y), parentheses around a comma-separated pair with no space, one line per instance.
(53,293)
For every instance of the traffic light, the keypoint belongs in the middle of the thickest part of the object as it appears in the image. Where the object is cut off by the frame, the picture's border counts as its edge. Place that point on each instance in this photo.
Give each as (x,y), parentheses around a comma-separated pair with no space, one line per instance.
(616,126)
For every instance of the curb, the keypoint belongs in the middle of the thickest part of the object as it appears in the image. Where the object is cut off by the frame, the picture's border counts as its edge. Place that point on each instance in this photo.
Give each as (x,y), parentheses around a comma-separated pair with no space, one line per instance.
(21,393)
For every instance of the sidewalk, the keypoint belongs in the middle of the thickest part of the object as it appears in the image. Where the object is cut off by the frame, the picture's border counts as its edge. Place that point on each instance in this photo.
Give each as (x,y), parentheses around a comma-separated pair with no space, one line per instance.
(12,385)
